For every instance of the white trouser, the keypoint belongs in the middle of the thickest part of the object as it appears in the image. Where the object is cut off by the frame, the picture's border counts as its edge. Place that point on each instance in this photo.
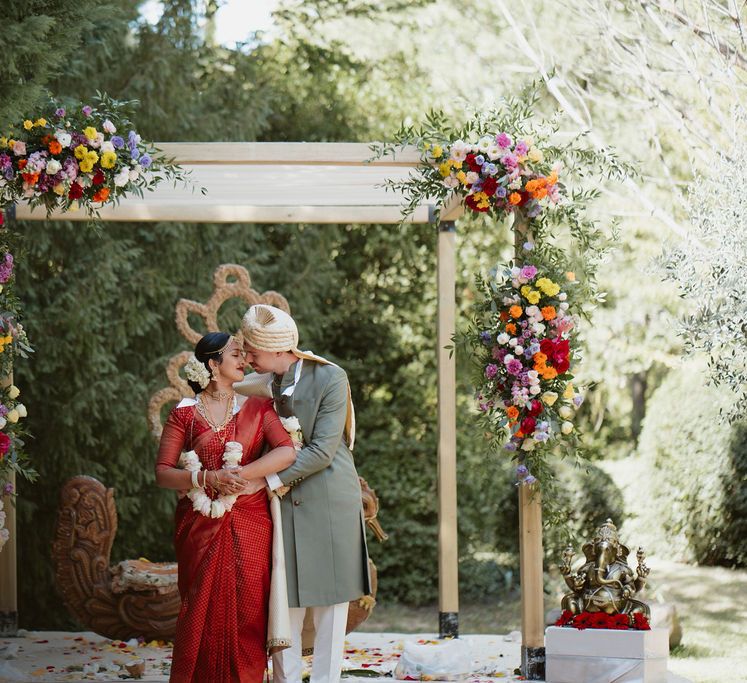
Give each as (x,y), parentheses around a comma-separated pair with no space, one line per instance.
(329,642)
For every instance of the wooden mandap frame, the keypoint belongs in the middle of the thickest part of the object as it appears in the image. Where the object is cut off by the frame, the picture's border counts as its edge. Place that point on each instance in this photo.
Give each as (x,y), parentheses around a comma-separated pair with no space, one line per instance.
(270,182)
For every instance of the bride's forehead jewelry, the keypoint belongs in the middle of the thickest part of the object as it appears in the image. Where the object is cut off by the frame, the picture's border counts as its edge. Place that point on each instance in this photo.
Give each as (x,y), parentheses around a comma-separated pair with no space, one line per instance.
(224,347)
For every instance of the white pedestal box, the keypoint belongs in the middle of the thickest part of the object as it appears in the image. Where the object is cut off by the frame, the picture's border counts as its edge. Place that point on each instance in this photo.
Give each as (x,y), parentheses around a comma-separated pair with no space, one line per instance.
(605,656)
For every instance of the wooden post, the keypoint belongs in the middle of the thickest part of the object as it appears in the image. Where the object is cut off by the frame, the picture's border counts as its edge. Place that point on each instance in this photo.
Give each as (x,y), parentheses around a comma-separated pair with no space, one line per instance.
(8,564)
(530,543)
(448,558)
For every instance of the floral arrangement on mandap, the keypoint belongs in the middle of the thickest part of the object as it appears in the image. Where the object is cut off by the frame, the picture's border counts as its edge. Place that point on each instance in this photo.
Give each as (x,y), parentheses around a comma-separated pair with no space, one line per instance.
(525,346)
(618,622)
(65,157)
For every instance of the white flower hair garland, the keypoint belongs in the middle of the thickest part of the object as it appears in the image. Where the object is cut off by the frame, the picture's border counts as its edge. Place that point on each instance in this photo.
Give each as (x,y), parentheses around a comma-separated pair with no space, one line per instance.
(197,372)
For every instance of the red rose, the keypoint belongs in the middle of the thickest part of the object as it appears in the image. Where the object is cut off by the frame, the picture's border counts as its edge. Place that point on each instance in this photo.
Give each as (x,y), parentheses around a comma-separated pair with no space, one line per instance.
(535,408)
(546,347)
(528,425)
(489,186)
(525,197)
(473,165)
(99,178)
(4,444)
(2,218)
(76,191)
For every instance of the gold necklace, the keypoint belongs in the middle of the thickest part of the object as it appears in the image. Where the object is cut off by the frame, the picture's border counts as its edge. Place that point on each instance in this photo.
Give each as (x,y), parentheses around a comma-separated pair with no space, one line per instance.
(218,395)
(203,410)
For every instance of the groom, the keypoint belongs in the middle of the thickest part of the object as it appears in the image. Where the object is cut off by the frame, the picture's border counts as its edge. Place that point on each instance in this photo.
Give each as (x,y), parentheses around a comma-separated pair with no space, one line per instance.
(323,529)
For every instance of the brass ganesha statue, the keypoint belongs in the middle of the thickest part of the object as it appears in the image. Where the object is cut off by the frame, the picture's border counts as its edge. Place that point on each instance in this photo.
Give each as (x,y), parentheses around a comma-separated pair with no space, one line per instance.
(605,582)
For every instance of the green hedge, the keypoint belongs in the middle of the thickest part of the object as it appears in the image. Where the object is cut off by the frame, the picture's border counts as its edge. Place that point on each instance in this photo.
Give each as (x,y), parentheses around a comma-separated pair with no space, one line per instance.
(696,466)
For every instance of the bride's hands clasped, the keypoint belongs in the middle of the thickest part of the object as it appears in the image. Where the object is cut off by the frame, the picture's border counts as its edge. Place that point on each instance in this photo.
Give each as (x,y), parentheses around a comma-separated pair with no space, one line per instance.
(226,482)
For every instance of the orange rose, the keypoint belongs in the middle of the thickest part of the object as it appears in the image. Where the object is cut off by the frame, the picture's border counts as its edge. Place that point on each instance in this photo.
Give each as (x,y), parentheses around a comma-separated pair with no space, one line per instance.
(540,194)
(31,178)
(511,328)
(549,373)
(548,312)
(102,195)
(514,198)
(512,412)
(22,164)
(55,147)
(539,357)
(504,316)
(515,311)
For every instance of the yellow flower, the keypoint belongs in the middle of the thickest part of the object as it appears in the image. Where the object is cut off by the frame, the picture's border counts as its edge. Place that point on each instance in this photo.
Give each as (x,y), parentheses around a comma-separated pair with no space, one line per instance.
(12,416)
(547,286)
(444,169)
(86,165)
(28,124)
(40,123)
(13,392)
(59,189)
(549,397)
(462,177)
(569,391)
(437,151)
(525,290)
(456,165)
(92,156)
(533,297)
(535,155)
(108,159)
(11,143)
(90,133)
(3,142)
(481,199)
(80,151)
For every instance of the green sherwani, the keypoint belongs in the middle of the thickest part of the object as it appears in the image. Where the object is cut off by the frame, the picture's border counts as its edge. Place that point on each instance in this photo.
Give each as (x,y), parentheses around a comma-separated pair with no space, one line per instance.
(326,557)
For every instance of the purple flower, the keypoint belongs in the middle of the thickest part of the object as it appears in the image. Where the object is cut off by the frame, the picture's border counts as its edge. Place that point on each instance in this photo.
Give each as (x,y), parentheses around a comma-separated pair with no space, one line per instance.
(3,410)
(491,370)
(534,209)
(491,169)
(510,161)
(132,139)
(528,246)
(8,489)
(479,159)
(134,153)
(578,400)
(503,140)
(521,148)
(87,110)
(514,366)
(60,112)
(522,471)
(541,436)
(117,141)
(500,192)
(485,336)
(145,161)
(510,446)
(8,173)
(528,272)
(498,353)
(6,268)
(530,479)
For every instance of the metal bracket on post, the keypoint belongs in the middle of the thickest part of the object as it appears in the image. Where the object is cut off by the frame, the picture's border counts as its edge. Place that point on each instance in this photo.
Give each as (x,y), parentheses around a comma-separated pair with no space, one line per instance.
(448,555)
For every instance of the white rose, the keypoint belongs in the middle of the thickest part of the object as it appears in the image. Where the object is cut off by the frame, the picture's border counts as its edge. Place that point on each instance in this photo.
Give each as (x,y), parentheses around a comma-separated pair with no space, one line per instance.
(513,342)
(535,155)
(507,359)
(21,410)
(109,127)
(12,416)
(122,178)
(549,397)
(450,181)
(14,392)
(3,422)
(515,271)
(484,144)
(564,306)
(472,178)
(135,172)
(532,311)
(527,445)
(493,152)
(502,338)
(107,147)
(566,412)
(562,296)
(566,427)
(538,328)
(515,283)
(63,138)
(534,389)
(53,167)
(533,376)
(519,350)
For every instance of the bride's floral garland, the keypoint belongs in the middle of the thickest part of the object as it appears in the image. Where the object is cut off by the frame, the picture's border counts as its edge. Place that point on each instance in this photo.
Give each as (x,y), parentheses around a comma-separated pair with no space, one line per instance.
(201,502)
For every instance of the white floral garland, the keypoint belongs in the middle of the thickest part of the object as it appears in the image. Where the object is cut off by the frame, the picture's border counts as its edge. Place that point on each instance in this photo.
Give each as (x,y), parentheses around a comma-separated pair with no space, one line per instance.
(293,427)
(201,502)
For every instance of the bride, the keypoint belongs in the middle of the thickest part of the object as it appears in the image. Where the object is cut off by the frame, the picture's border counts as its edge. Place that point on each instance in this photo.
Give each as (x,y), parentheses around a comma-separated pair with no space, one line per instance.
(223,534)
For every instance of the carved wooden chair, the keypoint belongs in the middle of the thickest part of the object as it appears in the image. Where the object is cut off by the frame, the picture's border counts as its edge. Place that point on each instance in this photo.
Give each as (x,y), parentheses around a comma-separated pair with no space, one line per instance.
(137,597)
